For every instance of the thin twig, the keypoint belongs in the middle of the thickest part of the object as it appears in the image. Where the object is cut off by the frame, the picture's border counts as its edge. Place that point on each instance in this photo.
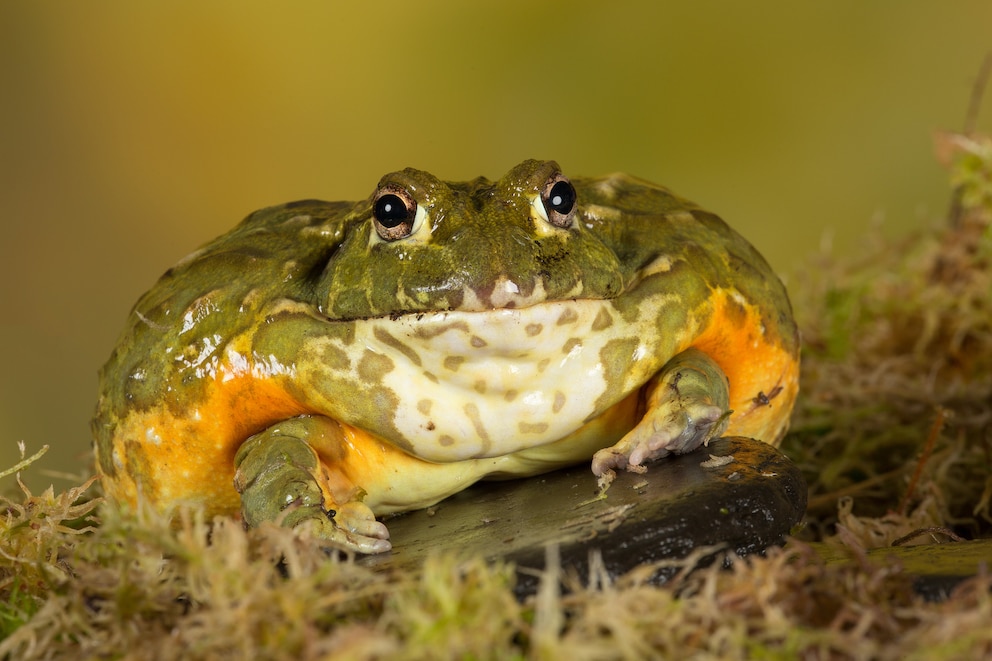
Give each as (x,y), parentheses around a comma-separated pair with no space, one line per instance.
(930,529)
(955,213)
(24,463)
(938,424)
(977,91)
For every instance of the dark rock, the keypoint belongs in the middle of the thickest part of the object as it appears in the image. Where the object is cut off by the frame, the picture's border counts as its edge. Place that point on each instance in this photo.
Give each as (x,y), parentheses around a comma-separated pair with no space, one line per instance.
(677,506)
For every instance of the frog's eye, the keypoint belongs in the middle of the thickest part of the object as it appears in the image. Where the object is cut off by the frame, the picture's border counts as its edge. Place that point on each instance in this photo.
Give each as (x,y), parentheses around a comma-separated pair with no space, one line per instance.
(558,201)
(394,213)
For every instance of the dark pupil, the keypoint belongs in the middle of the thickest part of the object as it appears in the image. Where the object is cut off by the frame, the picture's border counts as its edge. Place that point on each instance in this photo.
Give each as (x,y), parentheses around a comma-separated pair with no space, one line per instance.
(562,197)
(390,211)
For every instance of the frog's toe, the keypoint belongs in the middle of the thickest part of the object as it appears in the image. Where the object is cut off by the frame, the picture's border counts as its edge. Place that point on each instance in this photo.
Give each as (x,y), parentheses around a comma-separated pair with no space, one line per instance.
(607,460)
(360,521)
(351,527)
(628,453)
(362,543)
(653,439)
(371,545)
(348,527)
(684,434)
(361,537)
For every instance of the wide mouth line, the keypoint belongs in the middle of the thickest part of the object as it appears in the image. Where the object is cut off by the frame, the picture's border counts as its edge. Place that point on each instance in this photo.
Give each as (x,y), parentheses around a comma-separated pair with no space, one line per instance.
(401,316)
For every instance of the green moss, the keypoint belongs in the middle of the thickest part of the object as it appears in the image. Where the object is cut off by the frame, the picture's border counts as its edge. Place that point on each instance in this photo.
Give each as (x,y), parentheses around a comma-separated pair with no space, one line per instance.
(18,607)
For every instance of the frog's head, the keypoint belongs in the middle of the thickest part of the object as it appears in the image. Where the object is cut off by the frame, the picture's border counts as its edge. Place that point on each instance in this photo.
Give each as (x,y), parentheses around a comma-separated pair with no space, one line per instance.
(419,244)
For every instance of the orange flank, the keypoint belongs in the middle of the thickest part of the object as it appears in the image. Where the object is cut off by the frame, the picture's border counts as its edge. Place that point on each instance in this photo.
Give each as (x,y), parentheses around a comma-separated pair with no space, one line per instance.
(763,374)
(168,457)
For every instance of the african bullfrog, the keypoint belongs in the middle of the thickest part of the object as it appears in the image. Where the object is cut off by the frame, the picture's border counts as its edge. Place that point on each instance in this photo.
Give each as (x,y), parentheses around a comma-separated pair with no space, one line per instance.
(324,363)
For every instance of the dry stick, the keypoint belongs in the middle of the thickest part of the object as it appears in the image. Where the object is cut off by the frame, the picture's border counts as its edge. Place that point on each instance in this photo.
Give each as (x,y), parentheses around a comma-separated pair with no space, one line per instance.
(938,424)
(24,463)
(956,211)
(975,103)
(929,529)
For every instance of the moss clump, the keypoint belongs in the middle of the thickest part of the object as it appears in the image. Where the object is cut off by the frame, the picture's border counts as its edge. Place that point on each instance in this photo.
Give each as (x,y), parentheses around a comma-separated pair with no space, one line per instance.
(136,588)
(897,379)
(37,535)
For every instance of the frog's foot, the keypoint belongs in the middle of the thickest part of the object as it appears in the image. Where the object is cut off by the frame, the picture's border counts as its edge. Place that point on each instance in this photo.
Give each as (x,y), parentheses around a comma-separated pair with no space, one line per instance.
(351,527)
(281,478)
(686,407)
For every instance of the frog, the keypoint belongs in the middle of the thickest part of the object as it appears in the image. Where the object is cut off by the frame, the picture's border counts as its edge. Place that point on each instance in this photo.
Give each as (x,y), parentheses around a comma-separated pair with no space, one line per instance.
(325,365)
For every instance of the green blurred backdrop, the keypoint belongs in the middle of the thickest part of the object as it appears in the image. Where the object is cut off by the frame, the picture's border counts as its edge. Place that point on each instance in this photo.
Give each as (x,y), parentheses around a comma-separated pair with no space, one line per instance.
(131,132)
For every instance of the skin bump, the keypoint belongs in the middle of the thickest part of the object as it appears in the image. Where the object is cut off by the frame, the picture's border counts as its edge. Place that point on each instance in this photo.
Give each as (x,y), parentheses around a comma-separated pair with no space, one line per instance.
(533,329)
(532,428)
(386,338)
(472,411)
(374,366)
(453,362)
(603,320)
(432,331)
(568,316)
(615,357)
(334,358)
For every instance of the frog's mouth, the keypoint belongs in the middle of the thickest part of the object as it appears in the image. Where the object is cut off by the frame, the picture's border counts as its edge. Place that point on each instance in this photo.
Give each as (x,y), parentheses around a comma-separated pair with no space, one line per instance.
(504,293)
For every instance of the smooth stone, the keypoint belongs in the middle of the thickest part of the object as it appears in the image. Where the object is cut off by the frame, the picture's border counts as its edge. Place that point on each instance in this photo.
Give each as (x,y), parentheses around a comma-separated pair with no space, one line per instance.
(677,506)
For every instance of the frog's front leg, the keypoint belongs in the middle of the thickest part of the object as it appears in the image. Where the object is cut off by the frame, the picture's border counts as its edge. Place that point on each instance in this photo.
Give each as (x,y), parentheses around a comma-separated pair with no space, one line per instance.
(280,477)
(686,405)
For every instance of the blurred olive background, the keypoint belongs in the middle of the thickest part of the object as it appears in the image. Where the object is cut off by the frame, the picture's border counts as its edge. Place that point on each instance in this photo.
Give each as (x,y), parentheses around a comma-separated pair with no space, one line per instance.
(131,132)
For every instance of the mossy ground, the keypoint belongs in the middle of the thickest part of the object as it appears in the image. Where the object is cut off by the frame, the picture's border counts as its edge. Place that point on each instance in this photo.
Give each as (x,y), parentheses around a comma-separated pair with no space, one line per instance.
(893,431)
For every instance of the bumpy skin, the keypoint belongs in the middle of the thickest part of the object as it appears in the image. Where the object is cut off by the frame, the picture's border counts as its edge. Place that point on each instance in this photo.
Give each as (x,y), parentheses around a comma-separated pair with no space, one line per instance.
(305,369)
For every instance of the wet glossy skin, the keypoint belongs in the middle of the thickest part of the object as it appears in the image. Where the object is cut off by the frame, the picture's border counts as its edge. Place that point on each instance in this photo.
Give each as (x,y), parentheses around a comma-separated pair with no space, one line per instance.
(324,362)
